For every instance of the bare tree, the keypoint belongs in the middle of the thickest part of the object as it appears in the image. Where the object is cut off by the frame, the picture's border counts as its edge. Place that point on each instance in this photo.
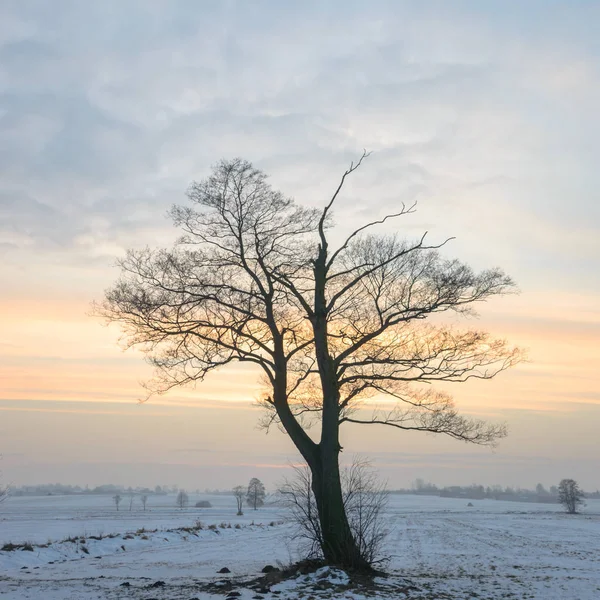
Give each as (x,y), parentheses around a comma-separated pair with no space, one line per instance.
(297,495)
(182,499)
(253,279)
(255,495)
(3,494)
(3,488)
(239,492)
(364,500)
(131,495)
(570,495)
(117,500)
(144,500)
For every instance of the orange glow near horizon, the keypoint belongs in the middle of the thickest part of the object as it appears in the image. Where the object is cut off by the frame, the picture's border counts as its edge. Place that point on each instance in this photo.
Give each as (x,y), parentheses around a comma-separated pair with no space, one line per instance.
(62,365)
(61,353)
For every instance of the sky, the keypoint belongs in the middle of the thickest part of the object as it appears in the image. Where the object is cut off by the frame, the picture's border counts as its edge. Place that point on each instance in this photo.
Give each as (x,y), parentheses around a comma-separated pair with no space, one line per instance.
(485,113)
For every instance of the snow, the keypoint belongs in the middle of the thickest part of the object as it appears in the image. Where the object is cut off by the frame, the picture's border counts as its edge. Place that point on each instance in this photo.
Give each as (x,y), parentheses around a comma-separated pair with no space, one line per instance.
(439,548)
(42,518)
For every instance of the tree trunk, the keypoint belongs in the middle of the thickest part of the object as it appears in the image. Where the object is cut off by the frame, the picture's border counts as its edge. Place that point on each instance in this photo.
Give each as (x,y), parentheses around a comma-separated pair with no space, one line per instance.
(338,544)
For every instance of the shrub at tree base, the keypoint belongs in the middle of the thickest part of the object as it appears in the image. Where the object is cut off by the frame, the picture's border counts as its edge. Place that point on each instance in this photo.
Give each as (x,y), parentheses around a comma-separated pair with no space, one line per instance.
(364,501)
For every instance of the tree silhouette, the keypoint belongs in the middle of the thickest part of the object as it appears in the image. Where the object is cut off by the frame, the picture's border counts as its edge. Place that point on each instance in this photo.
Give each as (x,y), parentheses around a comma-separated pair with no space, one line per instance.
(570,495)
(253,279)
(182,499)
(3,488)
(239,492)
(255,495)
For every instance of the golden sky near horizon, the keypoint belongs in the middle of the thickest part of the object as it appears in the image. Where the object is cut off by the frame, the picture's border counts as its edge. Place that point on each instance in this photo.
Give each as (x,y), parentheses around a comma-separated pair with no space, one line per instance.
(487,116)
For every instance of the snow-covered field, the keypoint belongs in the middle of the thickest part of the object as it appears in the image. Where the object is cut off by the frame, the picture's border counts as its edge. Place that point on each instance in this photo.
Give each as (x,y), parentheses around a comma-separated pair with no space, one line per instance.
(439,547)
(42,518)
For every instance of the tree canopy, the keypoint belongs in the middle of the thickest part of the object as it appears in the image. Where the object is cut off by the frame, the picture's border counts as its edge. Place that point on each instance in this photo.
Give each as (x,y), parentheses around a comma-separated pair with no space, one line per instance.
(242,282)
(570,495)
(255,495)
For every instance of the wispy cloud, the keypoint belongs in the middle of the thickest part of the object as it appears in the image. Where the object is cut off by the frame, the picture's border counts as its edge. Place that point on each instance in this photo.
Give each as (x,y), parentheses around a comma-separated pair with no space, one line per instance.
(103,126)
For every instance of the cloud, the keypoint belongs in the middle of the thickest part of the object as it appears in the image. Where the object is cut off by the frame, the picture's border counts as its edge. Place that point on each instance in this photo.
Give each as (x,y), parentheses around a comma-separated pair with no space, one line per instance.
(105,125)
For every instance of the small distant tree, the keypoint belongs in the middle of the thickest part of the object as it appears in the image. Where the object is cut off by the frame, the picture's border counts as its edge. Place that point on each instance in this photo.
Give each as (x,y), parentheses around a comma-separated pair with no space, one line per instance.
(3,489)
(418,484)
(117,500)
(182,499)
(239,492)
(144,499)
(570,495)
(540,490)
(3,493)
(255,496)
(131,498)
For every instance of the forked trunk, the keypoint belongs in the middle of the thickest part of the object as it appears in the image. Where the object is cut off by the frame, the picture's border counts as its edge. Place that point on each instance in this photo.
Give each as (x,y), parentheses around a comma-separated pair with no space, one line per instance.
(338,544)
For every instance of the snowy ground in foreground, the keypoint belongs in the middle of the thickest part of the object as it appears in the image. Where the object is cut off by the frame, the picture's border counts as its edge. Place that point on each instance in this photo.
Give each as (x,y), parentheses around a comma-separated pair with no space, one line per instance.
(440,549)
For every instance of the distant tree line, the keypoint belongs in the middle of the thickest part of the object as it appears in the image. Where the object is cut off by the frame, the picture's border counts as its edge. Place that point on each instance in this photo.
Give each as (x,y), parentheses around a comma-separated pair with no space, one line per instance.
(539,493)
(59,489)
